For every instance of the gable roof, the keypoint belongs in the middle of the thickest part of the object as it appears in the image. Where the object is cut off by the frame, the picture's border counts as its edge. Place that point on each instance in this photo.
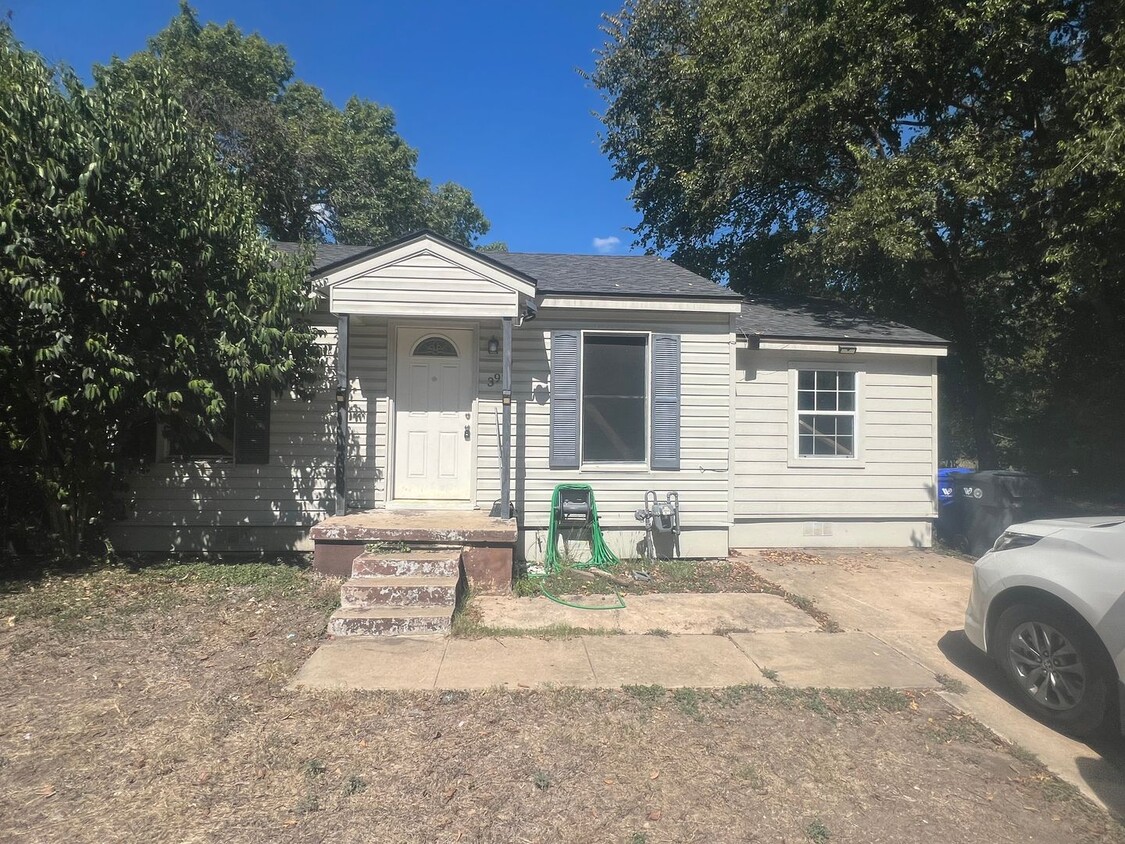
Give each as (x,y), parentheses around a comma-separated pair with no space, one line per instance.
(792,318)
(332,256)
(556,274)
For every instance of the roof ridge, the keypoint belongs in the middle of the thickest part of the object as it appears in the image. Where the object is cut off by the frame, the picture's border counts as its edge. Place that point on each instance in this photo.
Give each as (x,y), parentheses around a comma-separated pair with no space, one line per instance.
(577,255)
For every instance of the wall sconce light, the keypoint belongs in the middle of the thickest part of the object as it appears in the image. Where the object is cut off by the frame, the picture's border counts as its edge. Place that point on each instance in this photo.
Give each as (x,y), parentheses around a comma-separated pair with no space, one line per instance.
(341,396)
(493,345)
(846,350)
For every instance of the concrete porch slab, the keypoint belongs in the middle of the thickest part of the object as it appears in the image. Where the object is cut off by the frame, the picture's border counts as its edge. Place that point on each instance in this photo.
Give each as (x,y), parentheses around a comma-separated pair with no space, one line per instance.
(671,661)
(697,613)
(833,660)
(394,662)
(454,527)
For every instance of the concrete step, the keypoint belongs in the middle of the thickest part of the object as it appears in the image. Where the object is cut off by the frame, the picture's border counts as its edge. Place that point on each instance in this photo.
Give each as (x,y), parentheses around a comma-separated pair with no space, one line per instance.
(365,592)
(390,621)
(442,562)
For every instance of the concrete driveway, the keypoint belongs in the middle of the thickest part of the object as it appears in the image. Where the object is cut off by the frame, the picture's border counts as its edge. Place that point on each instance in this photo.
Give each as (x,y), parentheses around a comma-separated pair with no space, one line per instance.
(915,601)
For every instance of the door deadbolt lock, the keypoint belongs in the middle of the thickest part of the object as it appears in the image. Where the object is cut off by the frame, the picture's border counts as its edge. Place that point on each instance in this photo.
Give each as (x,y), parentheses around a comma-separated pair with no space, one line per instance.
(468,433)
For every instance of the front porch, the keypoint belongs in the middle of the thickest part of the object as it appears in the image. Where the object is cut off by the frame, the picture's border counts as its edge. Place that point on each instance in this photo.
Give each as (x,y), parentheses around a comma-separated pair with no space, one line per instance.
(420,308)
(338,540)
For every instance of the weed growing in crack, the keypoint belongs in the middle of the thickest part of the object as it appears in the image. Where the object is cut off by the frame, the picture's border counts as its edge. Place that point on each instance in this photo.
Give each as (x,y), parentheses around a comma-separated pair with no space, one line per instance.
(1023,754)
(952,684)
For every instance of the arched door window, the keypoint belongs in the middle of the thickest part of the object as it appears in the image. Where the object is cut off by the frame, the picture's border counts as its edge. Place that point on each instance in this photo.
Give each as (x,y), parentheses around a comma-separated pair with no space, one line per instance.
(434,347)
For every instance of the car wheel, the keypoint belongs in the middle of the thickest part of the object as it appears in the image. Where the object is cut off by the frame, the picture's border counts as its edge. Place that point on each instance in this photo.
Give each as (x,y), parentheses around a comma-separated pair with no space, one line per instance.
(1055,662)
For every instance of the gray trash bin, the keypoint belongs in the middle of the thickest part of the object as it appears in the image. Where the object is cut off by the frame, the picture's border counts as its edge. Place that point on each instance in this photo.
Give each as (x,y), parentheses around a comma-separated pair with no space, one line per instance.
(991,501)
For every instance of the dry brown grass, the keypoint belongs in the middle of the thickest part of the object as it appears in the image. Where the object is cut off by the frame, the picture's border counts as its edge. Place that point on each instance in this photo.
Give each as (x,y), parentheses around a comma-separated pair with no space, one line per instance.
(152,707)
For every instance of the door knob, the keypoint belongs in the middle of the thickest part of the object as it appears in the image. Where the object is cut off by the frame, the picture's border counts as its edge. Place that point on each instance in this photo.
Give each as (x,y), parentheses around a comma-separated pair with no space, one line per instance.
(468,433)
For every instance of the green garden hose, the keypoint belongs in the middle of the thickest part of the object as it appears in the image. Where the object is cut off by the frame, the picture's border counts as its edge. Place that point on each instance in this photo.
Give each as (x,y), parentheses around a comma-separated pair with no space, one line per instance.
(600,555)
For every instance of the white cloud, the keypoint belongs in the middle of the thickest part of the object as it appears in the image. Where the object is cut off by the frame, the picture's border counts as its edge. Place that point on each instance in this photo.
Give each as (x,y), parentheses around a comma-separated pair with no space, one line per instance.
(605,245)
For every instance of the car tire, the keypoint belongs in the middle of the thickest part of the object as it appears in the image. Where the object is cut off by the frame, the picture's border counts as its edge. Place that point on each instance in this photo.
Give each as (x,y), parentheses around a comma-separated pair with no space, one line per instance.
(1069,688)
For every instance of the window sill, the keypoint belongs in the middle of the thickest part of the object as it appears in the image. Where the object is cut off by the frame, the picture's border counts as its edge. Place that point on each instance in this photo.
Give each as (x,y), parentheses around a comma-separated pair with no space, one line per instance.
(622,468)
(826,463)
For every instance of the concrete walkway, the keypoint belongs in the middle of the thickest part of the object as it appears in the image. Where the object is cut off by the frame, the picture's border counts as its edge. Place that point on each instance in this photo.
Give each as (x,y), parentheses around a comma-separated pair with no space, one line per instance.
(841,660)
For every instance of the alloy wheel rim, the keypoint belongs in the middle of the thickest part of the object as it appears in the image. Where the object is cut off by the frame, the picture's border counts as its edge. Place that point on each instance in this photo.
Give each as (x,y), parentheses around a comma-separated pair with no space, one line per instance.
(1048,666)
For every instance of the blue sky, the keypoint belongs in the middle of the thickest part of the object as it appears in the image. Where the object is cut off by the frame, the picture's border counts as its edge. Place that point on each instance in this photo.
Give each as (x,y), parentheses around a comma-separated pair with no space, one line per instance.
(487,92)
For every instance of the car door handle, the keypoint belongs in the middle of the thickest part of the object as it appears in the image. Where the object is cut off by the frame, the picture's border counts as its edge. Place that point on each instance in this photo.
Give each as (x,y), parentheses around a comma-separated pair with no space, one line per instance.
(468,433)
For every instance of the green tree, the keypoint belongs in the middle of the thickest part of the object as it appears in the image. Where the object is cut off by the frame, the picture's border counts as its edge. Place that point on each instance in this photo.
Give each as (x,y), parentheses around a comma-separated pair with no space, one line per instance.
(1085,223)
(134,281)
(889,152)
(321,172)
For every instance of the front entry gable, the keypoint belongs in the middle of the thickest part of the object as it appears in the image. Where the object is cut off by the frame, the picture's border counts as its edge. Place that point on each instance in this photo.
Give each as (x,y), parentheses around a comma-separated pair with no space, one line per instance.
(428,275)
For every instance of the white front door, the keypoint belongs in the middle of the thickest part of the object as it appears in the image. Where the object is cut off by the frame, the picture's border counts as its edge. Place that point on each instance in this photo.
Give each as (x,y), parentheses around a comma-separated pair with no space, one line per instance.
(433,414)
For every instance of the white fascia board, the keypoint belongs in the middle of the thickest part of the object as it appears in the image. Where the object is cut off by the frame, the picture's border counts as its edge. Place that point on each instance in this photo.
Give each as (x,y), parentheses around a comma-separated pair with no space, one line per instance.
(616,303)
(466,260)
(861,348)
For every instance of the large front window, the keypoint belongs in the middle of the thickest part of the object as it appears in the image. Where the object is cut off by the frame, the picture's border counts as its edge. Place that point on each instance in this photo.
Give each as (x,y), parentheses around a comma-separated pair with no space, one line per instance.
(613,398)
(826,413)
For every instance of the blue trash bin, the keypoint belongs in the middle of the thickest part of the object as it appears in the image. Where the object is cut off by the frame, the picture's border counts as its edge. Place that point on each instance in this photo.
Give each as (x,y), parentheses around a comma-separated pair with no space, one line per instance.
(949,510)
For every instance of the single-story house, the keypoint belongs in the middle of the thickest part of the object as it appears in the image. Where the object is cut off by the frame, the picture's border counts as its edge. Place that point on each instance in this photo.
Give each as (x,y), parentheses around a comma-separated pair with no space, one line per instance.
(458,381)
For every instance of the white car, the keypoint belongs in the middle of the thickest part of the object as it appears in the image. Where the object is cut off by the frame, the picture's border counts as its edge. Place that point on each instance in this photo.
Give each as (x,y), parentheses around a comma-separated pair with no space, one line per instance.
(1048,605)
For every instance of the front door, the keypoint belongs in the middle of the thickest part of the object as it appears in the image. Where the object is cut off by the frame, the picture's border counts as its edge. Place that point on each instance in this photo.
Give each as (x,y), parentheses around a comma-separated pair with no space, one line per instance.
(433,414)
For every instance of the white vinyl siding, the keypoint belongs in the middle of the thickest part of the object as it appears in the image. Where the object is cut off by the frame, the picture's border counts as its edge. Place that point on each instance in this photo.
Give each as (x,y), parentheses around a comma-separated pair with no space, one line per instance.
(422,285)
(735,452)
(297,487)
(702,480)
(897,421)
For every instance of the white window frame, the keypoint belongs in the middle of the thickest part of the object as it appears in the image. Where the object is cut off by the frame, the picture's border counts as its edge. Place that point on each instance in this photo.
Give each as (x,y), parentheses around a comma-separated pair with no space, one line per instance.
(613,466)
(824,461)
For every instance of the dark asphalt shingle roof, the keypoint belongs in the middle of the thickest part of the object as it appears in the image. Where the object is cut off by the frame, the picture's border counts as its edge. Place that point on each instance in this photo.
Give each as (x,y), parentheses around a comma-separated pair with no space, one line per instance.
(571,275)
(791,317)
(772,316)
(611,275)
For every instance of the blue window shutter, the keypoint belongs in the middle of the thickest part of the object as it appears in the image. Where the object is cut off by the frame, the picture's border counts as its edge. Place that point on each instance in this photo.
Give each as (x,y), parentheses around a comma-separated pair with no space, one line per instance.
(665,401)
(564,400)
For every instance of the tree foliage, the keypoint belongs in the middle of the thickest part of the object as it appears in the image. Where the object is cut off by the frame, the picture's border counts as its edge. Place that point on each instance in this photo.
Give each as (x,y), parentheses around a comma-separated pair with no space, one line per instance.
(321,172)
(954,164)
(134,281)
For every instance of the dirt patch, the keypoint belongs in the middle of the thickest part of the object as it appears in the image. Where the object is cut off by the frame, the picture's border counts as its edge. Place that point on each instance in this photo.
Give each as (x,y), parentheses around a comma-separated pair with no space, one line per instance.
(735,574)
(154,709)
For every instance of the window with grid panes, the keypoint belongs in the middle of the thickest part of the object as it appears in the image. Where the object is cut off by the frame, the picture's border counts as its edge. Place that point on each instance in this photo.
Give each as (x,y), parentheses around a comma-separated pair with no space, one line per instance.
(826,413)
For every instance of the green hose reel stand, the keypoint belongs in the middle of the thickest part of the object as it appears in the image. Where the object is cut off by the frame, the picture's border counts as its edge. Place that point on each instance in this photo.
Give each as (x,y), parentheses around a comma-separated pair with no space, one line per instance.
(573,507)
